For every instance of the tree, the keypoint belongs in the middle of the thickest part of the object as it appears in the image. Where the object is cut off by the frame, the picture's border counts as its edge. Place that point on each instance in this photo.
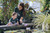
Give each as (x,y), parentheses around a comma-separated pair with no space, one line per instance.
(8,8)
(46,7)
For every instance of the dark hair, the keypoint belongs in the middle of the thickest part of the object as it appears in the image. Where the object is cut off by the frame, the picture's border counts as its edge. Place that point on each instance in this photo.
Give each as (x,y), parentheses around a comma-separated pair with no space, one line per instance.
(22,4)
(14,13)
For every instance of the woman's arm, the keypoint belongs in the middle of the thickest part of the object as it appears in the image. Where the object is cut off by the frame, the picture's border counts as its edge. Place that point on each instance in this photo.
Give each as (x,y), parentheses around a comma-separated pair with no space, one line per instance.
(16,9)
(21,20)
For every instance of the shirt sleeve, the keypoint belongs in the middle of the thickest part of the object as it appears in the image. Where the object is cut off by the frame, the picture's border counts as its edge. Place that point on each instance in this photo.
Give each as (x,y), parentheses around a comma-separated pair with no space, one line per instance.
(16,9)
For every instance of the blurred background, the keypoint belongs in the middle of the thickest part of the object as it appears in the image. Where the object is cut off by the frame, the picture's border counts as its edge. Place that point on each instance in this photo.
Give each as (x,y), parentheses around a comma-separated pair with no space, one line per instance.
(40,14)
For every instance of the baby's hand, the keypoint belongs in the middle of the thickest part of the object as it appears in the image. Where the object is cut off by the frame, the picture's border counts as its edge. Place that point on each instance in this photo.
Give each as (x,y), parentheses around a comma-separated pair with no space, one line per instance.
(9,24)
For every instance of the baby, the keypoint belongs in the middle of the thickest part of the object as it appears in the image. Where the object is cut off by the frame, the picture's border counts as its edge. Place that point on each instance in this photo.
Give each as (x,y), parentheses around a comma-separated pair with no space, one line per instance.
(13,20)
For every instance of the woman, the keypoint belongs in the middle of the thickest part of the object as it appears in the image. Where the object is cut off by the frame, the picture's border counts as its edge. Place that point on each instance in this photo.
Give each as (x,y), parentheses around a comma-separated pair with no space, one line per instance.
(20,11)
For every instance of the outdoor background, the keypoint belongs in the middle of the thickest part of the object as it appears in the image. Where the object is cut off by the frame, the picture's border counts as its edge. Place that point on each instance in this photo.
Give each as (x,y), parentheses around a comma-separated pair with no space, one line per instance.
(42,7)
(8,6)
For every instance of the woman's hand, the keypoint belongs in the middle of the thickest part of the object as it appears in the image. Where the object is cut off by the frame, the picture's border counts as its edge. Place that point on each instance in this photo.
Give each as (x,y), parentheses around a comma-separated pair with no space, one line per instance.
(21,18)
(21,21)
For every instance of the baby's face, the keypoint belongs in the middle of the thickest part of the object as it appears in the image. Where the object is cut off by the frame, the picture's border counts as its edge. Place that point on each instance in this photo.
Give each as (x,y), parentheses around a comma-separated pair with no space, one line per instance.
(15,16)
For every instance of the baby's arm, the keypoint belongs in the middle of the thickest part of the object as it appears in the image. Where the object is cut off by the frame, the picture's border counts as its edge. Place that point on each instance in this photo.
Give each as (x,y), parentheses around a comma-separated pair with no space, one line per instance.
(9,24)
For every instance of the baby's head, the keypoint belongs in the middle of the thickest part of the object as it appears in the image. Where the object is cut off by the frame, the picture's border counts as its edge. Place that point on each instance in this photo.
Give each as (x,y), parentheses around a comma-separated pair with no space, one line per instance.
(14,15)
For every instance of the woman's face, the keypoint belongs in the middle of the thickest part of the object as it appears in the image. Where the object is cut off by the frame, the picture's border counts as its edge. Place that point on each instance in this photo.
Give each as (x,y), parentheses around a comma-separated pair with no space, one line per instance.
(20,7)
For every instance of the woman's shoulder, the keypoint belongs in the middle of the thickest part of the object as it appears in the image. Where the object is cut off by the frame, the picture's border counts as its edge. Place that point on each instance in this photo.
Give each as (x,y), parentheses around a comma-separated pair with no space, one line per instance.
(16,9)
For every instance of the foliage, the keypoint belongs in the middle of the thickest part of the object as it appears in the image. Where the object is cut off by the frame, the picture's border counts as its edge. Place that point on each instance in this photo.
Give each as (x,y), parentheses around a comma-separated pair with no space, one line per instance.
(41,18)
(28,14)
(8,8)
(45,3)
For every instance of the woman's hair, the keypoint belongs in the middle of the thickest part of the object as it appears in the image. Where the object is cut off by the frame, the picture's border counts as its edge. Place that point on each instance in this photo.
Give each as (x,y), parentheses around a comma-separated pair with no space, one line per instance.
(22,4)
(14,13)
